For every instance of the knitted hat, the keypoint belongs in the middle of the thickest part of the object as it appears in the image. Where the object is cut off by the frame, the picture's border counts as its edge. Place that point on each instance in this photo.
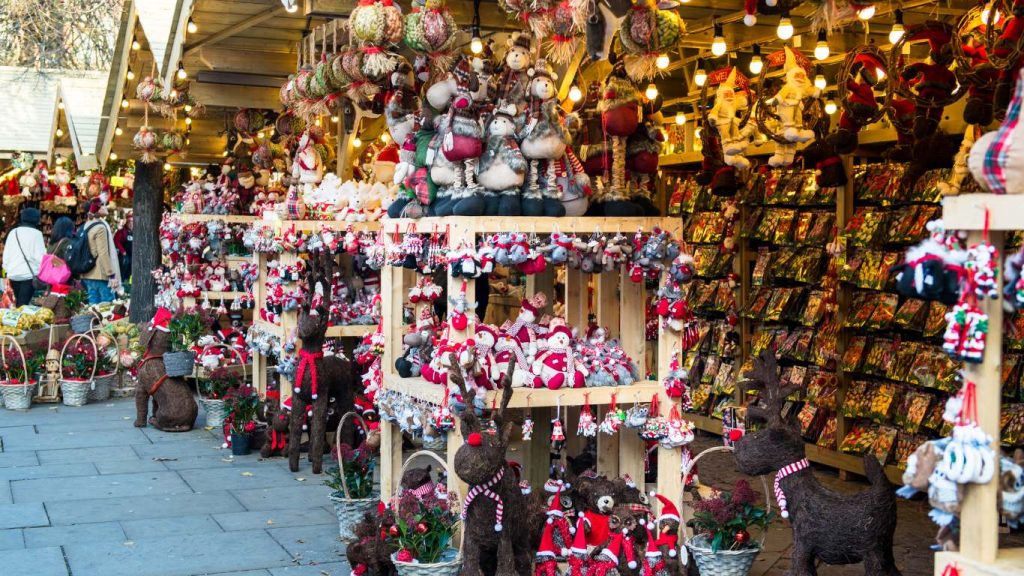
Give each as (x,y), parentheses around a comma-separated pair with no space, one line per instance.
(560,329)
(555,510)
(750,12)
(668,509)
(522,40)
(543,69)
(30,216)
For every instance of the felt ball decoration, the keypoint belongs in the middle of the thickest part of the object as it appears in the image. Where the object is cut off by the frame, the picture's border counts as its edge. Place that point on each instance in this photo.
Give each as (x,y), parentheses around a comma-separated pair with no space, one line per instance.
(249,120)
(147,90)
(376,23)
(645,33)
(301,81)
(287,93)
(145,142)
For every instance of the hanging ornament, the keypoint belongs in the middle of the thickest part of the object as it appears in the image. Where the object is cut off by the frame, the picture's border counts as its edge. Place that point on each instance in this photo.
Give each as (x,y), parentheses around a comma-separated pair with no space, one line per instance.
(611,422)
(528,421)
(430,31)
(655,427)
(145,141)
(679,432)
(565,32)
(647,32)
(588,424)
(557,430)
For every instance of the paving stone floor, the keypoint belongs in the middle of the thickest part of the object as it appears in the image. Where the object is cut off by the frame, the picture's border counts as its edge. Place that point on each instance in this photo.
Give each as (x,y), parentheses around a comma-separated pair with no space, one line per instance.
(84,493)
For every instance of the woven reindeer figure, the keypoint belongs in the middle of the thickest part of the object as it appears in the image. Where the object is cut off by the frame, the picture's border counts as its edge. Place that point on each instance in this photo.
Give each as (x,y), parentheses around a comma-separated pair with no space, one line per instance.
(497,530)
(319,380)
(835,528)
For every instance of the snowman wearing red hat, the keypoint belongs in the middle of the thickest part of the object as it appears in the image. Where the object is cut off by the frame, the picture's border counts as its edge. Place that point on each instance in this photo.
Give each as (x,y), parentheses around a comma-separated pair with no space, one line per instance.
(555,365)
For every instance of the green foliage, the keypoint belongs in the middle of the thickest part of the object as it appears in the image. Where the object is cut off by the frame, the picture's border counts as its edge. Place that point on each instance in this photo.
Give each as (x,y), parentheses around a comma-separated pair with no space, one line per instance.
(725,520)
(243,406)
(219,382)
(76,301)
(185,329)
(78,360)
(357,467)
(425,526)
(14,370)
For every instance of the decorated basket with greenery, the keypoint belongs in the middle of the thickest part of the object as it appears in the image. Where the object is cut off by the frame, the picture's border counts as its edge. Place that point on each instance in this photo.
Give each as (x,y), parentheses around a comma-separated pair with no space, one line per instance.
(185,330)
(352,480)
(18,372)
(107,364)
(424,530)
(78,364)
(212,391)
(242,405)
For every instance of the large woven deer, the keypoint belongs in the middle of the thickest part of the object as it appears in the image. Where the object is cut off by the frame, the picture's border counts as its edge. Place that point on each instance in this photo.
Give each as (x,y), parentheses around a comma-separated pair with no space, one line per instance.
(319,380)
(497,527)
(835,528)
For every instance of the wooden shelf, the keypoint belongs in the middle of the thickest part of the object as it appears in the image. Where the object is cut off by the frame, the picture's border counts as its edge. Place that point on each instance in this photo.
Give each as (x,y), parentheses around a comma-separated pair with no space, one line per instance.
(490,224)
(350,331)
(641,392)
(967,212)
(229,218)
(1009,562)
(225,295)
(317,225)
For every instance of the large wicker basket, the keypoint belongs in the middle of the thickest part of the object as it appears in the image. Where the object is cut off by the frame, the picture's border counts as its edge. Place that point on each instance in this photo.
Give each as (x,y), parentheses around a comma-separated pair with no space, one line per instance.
(16,395)
(448,567)
(350,510)
(723,562)
(103,383)
(214,408)
(75,391)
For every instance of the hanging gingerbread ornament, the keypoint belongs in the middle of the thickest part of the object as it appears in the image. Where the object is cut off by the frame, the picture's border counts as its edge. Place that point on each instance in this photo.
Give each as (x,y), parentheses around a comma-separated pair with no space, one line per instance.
(647,32)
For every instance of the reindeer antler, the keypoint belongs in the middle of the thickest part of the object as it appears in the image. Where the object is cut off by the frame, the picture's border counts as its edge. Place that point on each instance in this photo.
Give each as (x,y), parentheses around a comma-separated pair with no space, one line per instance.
(506,396)
(765,378)
(468,420)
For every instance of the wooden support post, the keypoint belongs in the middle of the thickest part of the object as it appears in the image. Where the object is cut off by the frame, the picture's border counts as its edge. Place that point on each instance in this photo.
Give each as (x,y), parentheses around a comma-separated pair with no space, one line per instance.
(607,449)
(454,482)
(392,304)
(259,293)
(844,211)
(979,514)
(608,302)
(148,208)
(391,458)
(289,321)
(632,323)
(670,481)
(576,297)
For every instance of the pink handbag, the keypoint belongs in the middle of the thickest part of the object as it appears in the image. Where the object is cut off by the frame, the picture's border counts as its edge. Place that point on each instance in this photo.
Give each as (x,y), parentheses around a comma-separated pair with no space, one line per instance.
(53,270)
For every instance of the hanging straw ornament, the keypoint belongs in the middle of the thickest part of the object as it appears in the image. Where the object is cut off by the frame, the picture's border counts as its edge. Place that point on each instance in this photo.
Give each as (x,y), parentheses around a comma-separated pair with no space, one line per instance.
(565,32)
(148,89)
(535,14)
(145,141)
(172,142)
(645,33)
(431,31)
(374,26)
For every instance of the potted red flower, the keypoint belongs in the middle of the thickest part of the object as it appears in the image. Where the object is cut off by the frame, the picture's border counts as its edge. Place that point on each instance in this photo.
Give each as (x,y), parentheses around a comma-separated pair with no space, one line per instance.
(243,407)
(722,544)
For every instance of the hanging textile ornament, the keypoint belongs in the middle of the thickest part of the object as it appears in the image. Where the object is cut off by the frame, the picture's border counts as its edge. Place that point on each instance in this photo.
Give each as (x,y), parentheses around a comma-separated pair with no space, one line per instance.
(145,141)
(172,142)
(675,382)
(148,89)
(565,32)
(636,416)
(557,429)
(966,332)
(679,432)
(442,417)
(535,14)
(655,427)
(968,458)
(588,424)
(982,266)
(430,31)
(528,421)
(611,422)
(647,32)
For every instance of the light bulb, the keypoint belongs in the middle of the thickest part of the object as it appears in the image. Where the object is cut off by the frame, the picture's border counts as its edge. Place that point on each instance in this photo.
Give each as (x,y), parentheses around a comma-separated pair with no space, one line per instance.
(188,121)
(819,82)
(718,46)
(680,118)
(135,44)
(59,132)
(334,119)
(785,29)
(830,107)
(60,105)
(174,93)
(385,137)
(188,107)
(113,156)
(821,50)
(476,45)
(661,61)
(290,6)
(700,76)
(575,94)
(181,72)
(897,28)
(188,141)
(130,75)
(696,133)
(224,153)
(60,159)
(356,142)
(651,92)
(118,131)
(167,166)
(192,28)
(317,122)
(124,103)
(756,65)
(260,134)
(866,13)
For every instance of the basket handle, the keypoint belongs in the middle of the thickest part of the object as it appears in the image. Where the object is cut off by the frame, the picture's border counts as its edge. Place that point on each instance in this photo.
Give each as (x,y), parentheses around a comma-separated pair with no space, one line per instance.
(95,352)
(686,531)
(405,466)
(3,355)
(117,347)
(241,362)
(337,442)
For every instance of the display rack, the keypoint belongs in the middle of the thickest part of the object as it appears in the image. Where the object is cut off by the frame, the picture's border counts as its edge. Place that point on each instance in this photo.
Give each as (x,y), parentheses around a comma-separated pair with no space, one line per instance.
(979,513)
(619,305)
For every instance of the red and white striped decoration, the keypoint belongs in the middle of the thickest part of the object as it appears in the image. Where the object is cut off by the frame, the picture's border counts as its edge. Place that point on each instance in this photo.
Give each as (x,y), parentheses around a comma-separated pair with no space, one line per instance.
(485,490)
(780,496)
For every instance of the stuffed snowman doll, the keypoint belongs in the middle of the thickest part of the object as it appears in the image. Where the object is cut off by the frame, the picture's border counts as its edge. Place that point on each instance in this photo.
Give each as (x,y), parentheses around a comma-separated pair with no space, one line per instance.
(555,365)
(790,110)
(464,143)
(445,174)
(544,138)
(502,168)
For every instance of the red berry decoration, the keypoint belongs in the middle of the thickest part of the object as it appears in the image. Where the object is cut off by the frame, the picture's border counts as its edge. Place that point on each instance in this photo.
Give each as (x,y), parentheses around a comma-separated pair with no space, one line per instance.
(404,555)
(393,531)
(735,434)
(741,536)
(421,528)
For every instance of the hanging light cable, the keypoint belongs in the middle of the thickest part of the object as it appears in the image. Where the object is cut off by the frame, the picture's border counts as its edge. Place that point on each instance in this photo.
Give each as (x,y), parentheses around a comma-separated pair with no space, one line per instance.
(476,45)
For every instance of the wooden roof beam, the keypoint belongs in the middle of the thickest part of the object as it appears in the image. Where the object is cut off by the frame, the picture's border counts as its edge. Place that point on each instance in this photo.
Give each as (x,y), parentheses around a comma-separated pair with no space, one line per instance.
(229,31)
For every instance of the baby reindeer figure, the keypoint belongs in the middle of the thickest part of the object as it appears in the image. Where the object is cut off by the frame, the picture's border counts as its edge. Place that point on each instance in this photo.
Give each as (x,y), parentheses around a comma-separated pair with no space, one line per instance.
(835,528)
(495,543)
(319,380)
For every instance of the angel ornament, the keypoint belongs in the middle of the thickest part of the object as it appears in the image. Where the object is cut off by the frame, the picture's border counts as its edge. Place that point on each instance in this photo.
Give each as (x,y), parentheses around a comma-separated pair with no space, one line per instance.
(789,106)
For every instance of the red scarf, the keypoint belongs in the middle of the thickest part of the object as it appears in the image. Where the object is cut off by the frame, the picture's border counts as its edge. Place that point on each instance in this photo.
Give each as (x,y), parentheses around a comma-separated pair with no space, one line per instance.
(308,359)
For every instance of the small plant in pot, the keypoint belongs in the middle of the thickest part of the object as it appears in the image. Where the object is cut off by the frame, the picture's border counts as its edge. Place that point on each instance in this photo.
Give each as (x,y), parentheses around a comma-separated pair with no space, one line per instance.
(722,542)
(352,481)
(242,405)
(424,530)
(106,369)
(212,391)
(185,329)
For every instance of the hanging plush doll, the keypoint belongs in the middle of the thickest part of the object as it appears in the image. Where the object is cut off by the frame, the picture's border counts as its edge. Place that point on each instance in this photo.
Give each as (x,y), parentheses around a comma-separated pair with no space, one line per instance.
(620,116)
(858,102)
(502,168)
(642,151)
(729,102)
(933,82)
(789,106)
(646,32)
(543,139)
(513,78)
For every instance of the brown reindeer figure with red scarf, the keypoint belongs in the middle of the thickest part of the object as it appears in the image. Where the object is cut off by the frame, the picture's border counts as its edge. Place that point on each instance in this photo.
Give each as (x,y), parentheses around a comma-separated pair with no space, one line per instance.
(319,379)
(497,522)
(828,526)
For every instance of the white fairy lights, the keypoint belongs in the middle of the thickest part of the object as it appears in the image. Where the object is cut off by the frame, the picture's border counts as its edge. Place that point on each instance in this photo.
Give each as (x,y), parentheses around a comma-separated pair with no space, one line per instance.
(756,64)
(821,49)
(785,29)
(897,31)
(718,46)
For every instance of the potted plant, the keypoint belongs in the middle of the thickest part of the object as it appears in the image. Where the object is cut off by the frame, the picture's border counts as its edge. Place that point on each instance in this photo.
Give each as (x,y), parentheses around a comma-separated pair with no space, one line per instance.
(423,531)
(78,363)
(242,405)
(212,391)
(185,330)
(722,544)
(352,481)
(106,369)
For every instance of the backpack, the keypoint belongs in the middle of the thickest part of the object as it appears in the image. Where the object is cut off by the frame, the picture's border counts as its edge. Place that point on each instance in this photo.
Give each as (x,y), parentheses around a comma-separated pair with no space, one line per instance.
(77,254)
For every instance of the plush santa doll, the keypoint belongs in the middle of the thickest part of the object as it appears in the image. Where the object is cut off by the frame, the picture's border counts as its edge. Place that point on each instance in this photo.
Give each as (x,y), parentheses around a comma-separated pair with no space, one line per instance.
(525,328)
(860,102)
(934,82)
(789,107)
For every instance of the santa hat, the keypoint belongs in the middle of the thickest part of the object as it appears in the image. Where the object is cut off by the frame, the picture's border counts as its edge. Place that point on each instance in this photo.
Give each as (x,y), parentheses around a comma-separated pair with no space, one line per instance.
(60,289)
(579,542)
(652,546)
(488,329)
(364,405)
(612,550)
(388,154)
(547,543)
(560,329)
(554,486)
(668,509)
(555,510)
(529,306)
(750,12)
(162,319)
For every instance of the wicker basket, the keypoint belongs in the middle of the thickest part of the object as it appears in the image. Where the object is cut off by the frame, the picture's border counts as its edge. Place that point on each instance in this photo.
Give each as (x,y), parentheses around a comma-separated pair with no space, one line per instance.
(75,392)
(16,395)
(179,364)
(101,386)
(82,324)
(447,567)
(438,444)
(350,510)
(723,562)
(215,410)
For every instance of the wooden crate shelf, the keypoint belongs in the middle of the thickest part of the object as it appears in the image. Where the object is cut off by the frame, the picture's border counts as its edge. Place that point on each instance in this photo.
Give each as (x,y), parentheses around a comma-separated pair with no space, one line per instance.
(490,224)
(229,218)
(535,397)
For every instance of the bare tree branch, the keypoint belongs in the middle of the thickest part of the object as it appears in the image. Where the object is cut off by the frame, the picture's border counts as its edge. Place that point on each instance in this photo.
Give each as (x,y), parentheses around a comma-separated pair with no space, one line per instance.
(58,34)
